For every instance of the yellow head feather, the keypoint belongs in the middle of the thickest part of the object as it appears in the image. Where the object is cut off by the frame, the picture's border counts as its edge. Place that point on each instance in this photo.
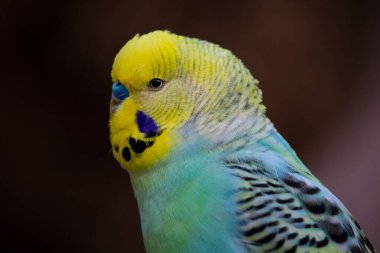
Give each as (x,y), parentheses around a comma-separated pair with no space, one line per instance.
(205,87)
(153,55)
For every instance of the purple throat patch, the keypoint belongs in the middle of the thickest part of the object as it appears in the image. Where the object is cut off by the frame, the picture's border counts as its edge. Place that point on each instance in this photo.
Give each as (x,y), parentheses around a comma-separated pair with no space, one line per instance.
(145,123)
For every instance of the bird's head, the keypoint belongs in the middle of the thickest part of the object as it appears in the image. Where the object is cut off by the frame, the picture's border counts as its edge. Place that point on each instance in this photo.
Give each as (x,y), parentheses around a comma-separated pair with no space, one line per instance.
(163,83)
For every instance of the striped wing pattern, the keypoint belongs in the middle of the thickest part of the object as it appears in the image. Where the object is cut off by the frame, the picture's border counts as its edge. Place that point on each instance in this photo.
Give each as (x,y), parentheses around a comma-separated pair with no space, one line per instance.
(291,213)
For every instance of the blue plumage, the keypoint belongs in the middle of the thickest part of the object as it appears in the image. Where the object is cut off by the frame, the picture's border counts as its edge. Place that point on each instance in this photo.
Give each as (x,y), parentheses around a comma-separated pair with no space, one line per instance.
(145,123)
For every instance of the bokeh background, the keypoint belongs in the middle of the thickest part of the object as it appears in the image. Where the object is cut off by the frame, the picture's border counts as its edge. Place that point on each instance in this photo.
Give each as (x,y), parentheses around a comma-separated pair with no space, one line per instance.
(61,190)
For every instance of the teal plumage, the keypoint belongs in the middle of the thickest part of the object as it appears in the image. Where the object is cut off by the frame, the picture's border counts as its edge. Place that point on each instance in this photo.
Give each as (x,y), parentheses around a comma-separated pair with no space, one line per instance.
(229,183)
(249,199)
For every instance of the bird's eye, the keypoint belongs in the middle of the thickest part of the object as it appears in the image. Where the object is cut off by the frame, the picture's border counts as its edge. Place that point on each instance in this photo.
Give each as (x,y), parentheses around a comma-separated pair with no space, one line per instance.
(156,84)
(119,92)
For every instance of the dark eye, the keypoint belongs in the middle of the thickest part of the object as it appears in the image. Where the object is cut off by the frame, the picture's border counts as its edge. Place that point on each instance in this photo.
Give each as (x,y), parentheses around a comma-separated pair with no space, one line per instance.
(119,92)
(156,84)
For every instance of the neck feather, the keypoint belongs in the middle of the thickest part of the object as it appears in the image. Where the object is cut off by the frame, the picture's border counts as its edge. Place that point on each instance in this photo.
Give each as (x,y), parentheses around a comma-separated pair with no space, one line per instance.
(184,199)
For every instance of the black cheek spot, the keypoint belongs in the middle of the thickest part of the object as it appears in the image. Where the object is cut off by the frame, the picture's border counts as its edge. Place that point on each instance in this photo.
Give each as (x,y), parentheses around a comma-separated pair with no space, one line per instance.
(139,147)
(126,154)
(149,144)
(132,141)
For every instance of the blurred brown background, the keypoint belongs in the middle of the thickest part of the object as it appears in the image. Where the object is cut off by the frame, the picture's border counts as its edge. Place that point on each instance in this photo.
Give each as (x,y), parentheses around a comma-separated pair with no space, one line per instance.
(319,67)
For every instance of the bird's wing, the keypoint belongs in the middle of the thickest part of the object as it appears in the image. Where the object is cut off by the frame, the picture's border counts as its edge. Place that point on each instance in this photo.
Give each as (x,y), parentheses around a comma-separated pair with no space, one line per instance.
(284,210)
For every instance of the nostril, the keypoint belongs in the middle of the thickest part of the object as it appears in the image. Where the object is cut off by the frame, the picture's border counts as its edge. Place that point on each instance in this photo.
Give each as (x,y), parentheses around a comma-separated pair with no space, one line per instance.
(119,92)
(116,148)
(126,154)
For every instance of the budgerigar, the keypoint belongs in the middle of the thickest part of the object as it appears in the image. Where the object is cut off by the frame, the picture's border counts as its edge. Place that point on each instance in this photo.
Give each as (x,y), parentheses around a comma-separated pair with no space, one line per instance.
(209,170)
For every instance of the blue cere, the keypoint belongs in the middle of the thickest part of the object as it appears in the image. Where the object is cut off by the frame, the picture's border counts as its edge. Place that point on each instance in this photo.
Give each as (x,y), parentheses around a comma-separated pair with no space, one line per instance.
(145,123)
(119,92)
